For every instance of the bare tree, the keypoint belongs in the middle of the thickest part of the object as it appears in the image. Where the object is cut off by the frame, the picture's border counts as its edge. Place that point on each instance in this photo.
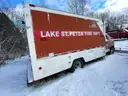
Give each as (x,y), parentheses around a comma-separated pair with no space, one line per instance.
(78,7)
(121,19)
(104,16)
(113,21)
(12,39)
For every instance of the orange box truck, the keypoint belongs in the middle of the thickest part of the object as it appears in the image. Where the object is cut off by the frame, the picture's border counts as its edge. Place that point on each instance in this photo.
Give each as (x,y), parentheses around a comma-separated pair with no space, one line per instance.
(59,41)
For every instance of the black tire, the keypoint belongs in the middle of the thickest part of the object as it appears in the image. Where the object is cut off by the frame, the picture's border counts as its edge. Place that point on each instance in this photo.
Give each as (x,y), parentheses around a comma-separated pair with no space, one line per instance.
(112,49)
(72,69)
(76,64)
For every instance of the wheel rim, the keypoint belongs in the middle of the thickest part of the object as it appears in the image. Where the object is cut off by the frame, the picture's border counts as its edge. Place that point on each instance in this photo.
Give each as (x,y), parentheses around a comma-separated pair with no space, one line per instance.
(77,65)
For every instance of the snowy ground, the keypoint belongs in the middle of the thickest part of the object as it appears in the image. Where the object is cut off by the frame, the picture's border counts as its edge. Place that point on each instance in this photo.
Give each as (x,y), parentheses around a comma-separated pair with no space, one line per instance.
(121,45)
(106,77)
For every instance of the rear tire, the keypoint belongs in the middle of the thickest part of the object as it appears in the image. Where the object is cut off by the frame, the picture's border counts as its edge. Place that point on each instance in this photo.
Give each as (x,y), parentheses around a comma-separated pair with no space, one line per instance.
(112,49)
(76,64)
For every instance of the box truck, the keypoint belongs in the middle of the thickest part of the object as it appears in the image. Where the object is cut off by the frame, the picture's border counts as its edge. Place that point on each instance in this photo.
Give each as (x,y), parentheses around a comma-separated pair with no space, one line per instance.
(60,40)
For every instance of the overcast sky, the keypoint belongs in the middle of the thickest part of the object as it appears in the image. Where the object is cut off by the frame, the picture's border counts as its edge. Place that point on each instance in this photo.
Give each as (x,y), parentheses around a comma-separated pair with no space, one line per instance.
(95,5)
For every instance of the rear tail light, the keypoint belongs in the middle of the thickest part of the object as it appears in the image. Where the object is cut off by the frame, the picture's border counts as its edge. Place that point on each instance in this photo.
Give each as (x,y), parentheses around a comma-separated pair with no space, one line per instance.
(40,68)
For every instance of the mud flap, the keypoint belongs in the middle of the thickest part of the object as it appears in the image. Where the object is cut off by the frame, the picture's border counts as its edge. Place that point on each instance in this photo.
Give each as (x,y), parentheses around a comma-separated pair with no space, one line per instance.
(30,77)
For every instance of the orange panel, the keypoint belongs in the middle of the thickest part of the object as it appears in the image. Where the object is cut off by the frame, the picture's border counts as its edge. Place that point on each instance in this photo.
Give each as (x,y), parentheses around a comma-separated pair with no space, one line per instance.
(60,23)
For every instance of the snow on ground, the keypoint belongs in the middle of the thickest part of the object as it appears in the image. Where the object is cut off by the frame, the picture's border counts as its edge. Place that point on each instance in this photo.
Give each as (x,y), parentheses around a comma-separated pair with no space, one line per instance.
(13,77)
(121,45)
(106,77)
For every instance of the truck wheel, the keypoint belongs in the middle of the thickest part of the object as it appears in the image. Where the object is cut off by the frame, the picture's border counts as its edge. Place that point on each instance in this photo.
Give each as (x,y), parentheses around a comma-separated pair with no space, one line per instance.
(112,49)
(76,64)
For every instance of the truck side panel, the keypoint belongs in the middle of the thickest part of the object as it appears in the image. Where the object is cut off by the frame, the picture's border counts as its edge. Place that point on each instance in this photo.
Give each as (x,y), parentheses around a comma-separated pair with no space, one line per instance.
(54,53)
(46,22)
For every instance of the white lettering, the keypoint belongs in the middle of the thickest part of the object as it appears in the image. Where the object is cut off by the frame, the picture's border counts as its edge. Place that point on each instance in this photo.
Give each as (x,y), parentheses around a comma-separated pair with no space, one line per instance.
(89,33)
(85,33)
(79,33)
(82,34)
(70,33)
(66,33)
(95,33)
(73,33)
(57,33)
(76,33)
(62,34)
(48,34)
(52,34)
(41,33)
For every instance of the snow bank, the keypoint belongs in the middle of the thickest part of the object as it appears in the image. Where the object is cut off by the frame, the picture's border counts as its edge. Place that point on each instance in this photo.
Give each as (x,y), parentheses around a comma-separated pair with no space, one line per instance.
(121,45)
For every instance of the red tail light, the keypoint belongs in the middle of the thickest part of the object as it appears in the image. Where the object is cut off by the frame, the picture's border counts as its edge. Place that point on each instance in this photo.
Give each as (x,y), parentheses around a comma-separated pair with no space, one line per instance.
(40,68)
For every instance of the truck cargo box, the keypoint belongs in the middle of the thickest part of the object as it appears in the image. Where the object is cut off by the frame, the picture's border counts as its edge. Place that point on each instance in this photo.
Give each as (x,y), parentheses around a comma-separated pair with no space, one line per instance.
(57,39)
